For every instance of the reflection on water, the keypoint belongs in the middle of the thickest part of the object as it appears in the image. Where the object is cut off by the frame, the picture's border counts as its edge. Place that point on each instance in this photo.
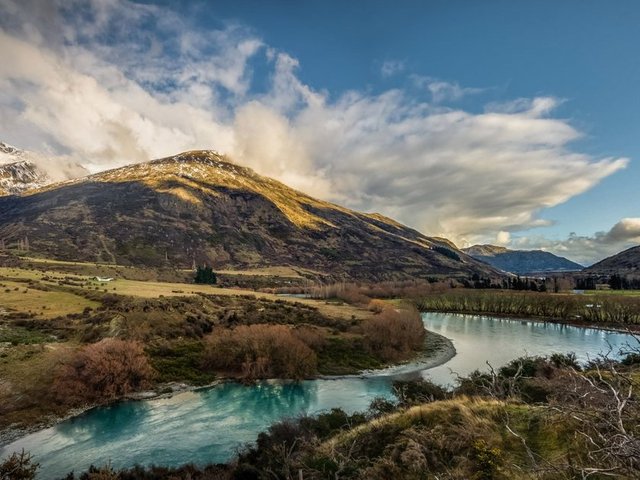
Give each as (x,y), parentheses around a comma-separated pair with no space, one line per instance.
(482,339)
(208,426)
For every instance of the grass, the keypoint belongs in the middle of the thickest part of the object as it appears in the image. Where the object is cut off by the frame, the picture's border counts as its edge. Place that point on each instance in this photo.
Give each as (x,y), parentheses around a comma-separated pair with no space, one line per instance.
(22,336)
(277,271)
(19,297)
(170,318)
(156,289)
(25,379)
(467,435)
(49,261)
(622,293)
(596,309)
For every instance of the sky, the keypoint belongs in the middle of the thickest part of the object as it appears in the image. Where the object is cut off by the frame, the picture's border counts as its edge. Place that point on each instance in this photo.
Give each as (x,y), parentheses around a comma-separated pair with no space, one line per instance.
(504,122)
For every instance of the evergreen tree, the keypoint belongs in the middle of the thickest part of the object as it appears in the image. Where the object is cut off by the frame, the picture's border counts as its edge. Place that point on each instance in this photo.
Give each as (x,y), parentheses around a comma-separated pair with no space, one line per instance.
(206,275)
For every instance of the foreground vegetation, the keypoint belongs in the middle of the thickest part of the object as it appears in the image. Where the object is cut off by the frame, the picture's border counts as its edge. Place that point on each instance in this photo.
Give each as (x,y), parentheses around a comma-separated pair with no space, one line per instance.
(535,418)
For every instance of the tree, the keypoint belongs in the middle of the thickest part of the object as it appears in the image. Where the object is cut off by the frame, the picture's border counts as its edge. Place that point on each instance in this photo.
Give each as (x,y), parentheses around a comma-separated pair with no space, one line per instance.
(206,275)
(103,371)
(18,466)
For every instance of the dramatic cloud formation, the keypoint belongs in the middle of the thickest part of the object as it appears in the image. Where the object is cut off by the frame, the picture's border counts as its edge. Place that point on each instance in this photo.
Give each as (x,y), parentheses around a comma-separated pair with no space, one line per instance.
(110,82)
(586,249)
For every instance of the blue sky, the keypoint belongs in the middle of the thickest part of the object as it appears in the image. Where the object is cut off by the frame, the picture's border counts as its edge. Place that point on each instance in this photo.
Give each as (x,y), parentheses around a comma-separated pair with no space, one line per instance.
(506,122)
(582,52)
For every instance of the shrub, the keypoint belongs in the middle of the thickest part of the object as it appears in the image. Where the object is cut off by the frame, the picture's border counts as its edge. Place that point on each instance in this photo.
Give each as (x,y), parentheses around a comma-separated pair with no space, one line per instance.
(18,466)
(310,336)
(416,392)
(376,306)
(102,371)
(260,351)
(394,333)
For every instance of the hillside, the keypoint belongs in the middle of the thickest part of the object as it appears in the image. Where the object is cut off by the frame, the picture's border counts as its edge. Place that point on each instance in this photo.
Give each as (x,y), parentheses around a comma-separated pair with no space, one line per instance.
(521,262)
(200,207)
(626,262)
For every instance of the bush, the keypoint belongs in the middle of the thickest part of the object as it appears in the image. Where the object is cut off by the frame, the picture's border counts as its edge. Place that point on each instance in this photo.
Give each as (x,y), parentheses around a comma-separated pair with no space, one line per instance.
(260,351)
(102,371)
(18,466)
(376,306)
(393,334)
(418,392)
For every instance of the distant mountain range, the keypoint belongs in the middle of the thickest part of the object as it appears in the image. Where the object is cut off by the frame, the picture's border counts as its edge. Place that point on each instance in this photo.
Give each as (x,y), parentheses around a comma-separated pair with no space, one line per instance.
(626,262)
(521,262)
(200,207)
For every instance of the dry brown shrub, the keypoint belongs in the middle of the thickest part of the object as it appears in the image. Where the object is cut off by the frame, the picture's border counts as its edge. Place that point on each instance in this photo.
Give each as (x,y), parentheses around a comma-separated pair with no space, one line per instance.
(101,372)
(260,351)
(310,336)
(393,334)
(376,306)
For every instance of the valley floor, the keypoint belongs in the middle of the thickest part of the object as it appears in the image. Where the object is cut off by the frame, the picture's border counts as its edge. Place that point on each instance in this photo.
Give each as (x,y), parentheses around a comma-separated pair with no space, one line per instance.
(179,335)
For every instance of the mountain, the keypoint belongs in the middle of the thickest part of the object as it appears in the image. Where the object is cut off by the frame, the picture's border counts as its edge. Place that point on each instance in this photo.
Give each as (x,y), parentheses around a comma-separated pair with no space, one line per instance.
(21,170)
(521,262)
(18,177)
(200,207)
(17,172)
(626,262)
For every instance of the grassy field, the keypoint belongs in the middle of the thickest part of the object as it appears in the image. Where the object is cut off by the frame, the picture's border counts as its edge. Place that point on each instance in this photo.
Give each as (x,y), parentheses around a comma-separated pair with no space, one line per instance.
(155,289)
(282,271)
(19,297)
(624,293)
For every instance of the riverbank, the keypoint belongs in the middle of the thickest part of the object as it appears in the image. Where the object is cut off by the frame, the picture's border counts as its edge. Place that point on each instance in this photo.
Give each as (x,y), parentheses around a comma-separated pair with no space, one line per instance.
(618,328)
(607,312)
(437,351)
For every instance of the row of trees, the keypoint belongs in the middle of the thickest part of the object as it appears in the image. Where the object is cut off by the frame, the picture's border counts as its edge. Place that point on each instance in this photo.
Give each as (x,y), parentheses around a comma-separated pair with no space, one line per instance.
(615,282)
(592,309)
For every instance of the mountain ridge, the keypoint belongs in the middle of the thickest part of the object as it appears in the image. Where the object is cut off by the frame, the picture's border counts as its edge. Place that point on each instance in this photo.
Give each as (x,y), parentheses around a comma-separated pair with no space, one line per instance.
(199,206)
(626,262)
(521,262)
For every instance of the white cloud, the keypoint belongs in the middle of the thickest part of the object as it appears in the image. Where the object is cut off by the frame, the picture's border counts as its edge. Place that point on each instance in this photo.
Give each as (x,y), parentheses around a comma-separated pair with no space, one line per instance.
(389,68)
(159,86)
(503,238)
(442,91)
(627,229)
